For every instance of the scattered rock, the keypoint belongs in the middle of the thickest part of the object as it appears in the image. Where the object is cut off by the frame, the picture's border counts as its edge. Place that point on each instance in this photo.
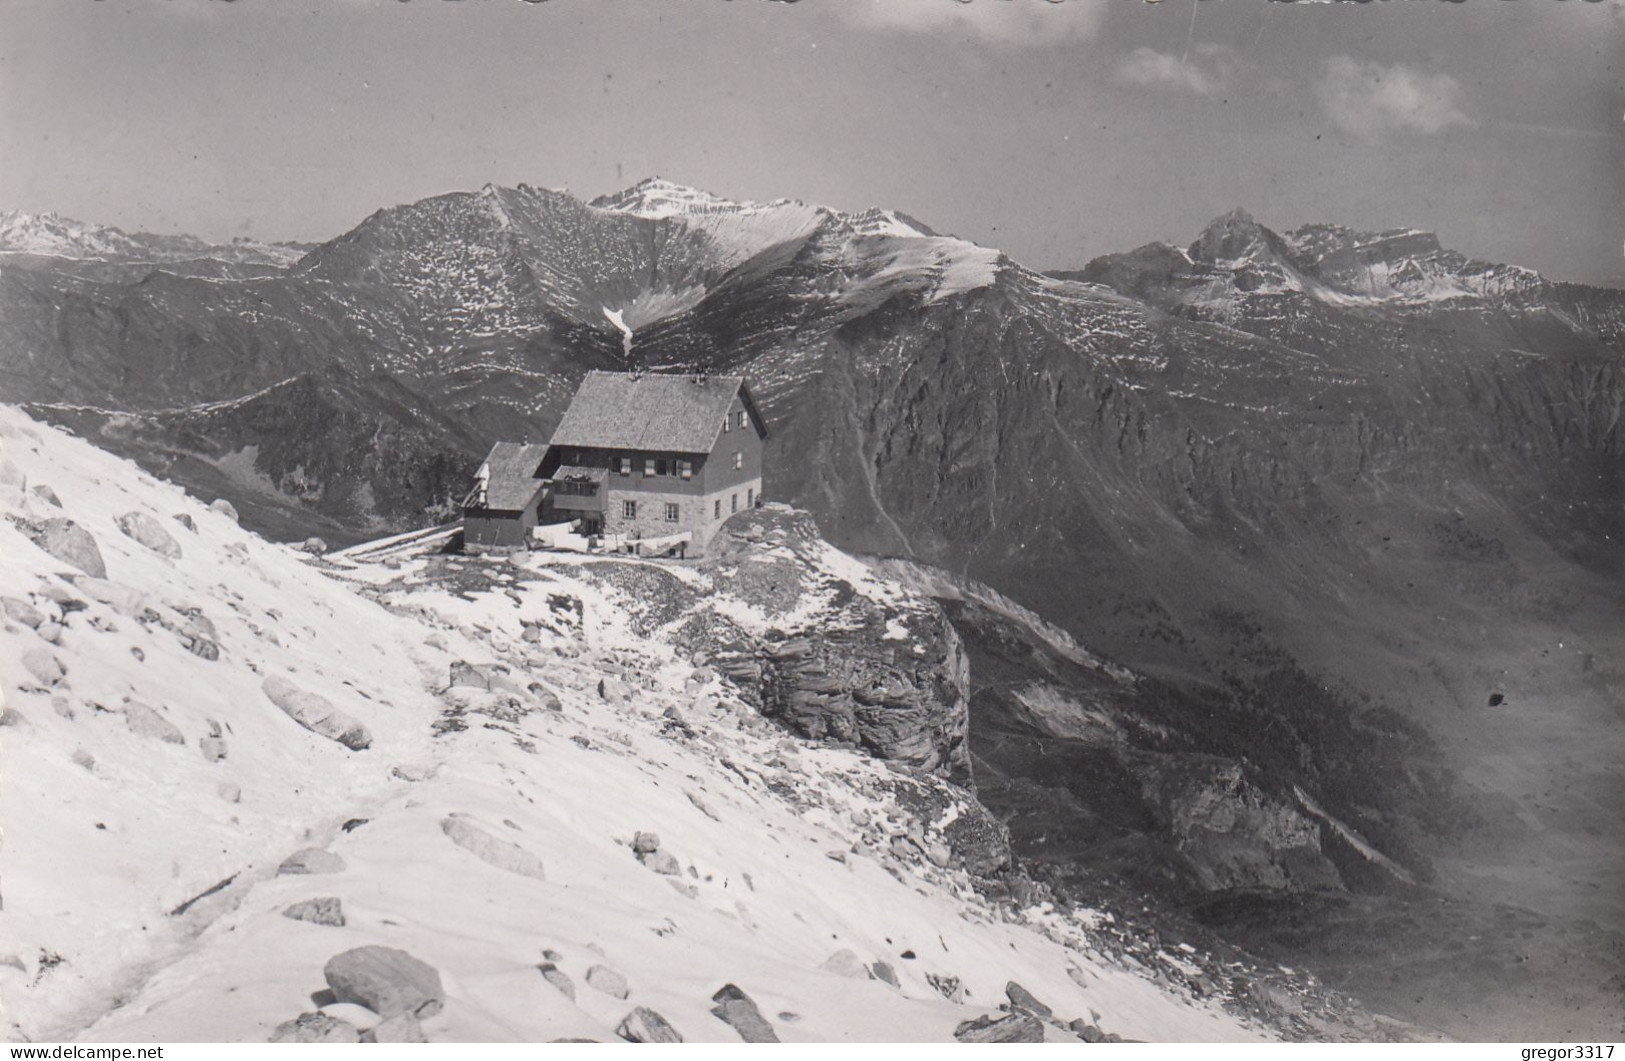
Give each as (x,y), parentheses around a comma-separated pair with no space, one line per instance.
(51,633)
(603,978)
(1089,1033)
(314,546)
(736,1009)
(47,495)
(213,748)
(316,713)
(1023,1001)
(46,668)
(10,716)
(503,854)
(186,521)
(149,532)
(326,910)
(1016,1028)
(144,721)
(559,979)
(645,843)
(644,1025)
(84,759)
(614,691)
(68,542)
(386,980)
(203,648)
(19,610)
(233,793)
(949,987)
(315,1028)
(140,656)
(883,972)
(62,706)
(224,507)
(845,962)
(401,1028)
(310,860)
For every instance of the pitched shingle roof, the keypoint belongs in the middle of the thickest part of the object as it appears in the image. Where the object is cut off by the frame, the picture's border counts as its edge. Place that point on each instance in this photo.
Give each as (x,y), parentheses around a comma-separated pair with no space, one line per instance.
(653,412)
(511,468)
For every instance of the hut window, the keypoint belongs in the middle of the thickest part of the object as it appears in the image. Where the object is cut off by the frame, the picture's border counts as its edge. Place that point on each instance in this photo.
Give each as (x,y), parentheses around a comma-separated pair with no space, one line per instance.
(717,514)
(734,503)
(685,469)
(739,460)
(671,512)
(648,466)
(626,465)
(629,509)
(727,424)
(750,498)
(741,419)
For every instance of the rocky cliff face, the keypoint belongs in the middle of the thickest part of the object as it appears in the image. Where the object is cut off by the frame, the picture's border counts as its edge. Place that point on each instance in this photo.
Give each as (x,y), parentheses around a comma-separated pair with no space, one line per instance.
(831,651)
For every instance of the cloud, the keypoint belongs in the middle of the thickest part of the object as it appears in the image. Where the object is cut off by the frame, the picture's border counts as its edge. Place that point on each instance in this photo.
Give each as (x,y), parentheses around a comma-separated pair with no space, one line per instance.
(1371,100)
(1205,74)
(1021,23)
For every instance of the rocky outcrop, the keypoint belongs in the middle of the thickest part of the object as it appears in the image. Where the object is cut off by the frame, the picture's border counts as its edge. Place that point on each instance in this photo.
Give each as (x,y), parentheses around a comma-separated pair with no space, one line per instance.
(1234,835)
(885,672)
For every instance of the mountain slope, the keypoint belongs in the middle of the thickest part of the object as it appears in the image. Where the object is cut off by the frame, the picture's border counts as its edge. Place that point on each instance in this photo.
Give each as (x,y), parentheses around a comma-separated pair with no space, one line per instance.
(158,783)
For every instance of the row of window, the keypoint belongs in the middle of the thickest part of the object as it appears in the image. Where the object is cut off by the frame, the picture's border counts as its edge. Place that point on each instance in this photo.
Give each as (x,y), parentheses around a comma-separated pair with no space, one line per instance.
(653,466)
(674,513)
(683,469)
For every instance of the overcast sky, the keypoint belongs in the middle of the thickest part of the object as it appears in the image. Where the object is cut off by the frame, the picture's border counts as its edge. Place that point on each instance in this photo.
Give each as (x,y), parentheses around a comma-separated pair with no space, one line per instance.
(1055,131)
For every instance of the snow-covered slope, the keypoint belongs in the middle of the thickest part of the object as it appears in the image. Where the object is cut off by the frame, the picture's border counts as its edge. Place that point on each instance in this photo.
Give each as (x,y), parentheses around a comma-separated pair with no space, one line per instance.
(152,789)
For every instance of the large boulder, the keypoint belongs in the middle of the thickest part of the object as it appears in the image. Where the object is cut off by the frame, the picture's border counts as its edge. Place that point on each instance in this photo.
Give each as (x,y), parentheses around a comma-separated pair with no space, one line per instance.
(845,962)
(386,980)
(125,600)
(46,668)
(559,979)
(68,542)
(224,507)
(736,1009)
(149,532)
(326,910)
(145,721)
(316,713)
(1016,1028)
(644,1025)
(606,980)
(1024,1001)
(19,610)
(503,854)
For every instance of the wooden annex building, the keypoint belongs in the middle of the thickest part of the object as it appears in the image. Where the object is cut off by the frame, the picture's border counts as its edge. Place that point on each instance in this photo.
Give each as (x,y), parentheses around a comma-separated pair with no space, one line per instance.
(638,455)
